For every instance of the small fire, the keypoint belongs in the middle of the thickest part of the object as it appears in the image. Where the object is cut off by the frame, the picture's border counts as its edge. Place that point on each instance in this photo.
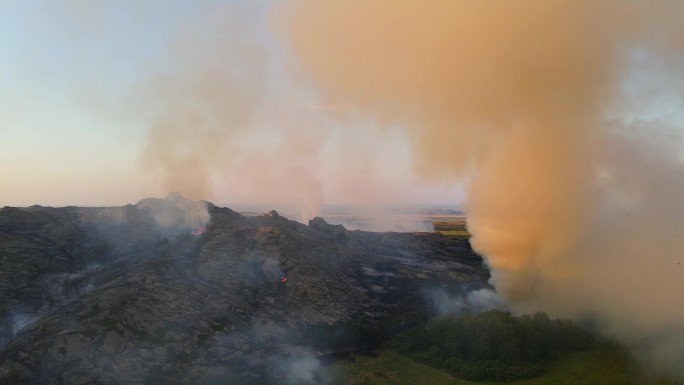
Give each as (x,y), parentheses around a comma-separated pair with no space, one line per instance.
(282,278)
(199,231)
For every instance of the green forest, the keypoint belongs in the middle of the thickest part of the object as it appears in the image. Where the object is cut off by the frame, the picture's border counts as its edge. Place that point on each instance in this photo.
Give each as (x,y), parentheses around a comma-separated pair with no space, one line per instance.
(492,345)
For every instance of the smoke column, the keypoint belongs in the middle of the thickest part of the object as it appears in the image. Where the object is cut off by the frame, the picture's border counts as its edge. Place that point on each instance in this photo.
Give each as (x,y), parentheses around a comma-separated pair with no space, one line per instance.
(201,107)
(575,186)
(217,126)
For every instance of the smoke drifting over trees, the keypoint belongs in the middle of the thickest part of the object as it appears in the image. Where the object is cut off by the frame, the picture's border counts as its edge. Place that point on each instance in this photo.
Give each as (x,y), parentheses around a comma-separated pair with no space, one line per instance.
(574,190)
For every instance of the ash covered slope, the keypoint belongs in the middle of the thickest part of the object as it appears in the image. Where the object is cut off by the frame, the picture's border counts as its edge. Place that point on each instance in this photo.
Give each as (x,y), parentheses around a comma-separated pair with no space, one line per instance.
(131,298)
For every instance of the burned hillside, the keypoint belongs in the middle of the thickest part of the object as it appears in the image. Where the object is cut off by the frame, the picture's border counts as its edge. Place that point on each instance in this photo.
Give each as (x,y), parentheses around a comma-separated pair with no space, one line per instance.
(118,295)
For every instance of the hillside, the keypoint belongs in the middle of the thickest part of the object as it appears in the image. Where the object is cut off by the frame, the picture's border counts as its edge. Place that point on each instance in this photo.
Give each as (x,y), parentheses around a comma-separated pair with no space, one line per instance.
(176,291)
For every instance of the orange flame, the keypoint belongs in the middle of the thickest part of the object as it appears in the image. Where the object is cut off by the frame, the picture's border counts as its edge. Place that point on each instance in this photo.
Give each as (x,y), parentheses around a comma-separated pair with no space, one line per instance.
(199,231)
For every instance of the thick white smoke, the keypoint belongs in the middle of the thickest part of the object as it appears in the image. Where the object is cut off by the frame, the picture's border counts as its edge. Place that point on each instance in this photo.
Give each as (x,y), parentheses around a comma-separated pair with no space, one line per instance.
(554,112)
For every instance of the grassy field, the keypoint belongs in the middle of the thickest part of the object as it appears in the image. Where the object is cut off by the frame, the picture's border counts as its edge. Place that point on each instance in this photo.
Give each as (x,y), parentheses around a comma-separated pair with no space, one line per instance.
(453,226)
(601,366)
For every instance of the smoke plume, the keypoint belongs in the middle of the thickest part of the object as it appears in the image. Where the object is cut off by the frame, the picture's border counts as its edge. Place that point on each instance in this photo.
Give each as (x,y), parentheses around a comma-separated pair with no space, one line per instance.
(552,111)
(302,368)
(472,302)
(217,126)
(200,107)
(227,122)
(176,212)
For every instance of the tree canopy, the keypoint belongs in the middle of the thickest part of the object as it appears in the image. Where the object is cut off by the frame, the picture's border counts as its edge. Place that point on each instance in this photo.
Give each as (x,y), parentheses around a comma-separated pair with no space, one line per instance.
(492,345)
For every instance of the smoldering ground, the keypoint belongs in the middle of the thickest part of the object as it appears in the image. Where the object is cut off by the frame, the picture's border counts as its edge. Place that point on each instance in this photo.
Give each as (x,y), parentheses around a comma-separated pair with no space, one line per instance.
(176,212)
(105,234)
(265,347)
(475,301)
(551,109)
(302,368)
(265,350)
(150,222)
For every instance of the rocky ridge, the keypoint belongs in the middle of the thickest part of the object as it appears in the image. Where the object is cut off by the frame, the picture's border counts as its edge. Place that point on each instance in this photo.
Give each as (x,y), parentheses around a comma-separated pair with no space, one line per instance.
(117,296)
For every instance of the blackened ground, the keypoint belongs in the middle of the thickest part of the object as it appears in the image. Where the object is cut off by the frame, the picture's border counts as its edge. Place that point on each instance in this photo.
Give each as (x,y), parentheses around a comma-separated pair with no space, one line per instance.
(106,296)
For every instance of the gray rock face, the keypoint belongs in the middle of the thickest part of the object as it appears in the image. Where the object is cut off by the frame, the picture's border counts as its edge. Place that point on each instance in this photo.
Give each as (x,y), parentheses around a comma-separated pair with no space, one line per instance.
(111,296)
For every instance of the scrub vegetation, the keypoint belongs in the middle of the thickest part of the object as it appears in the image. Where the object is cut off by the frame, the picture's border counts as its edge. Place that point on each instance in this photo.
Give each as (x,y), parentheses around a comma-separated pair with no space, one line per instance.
(492,345)
(453,226)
